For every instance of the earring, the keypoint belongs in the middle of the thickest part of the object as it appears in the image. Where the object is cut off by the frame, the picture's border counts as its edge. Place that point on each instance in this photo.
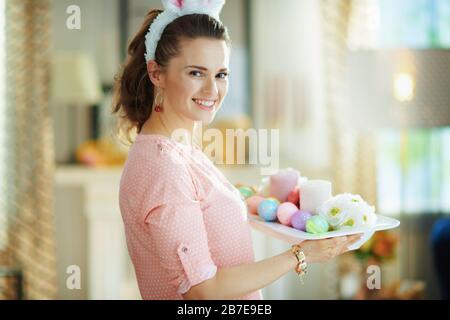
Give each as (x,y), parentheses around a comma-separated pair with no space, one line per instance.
(158,104)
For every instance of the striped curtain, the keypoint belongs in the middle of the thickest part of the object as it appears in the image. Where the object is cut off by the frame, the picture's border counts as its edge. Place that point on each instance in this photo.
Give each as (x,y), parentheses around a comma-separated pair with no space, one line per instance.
(27,235)
(353,153)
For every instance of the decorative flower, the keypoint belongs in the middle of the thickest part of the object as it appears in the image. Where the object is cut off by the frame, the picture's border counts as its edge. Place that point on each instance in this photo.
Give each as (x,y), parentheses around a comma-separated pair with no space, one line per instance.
(347,211)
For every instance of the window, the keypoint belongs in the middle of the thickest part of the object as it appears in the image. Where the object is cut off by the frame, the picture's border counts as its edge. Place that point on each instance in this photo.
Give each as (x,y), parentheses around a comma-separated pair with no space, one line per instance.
(414,164)
(418,24)
(414,171)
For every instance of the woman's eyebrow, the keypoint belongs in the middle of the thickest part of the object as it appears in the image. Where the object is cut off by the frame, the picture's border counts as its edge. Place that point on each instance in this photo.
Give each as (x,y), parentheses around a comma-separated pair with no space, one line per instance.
(203,68)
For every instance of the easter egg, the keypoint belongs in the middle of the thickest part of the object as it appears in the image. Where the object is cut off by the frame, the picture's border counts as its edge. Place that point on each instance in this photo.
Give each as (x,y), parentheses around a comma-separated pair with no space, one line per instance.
(317,224)
(274,200)
(253,203)
(285,212)
(294,196)
(299,218)
(246,192)
(267,209)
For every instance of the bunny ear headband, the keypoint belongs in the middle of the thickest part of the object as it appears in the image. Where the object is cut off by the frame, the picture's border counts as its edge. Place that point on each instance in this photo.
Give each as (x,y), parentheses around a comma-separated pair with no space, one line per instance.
(172,10)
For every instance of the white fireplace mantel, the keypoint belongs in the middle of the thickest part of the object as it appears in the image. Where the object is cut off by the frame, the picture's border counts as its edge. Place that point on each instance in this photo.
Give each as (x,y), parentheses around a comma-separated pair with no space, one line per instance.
(90,234)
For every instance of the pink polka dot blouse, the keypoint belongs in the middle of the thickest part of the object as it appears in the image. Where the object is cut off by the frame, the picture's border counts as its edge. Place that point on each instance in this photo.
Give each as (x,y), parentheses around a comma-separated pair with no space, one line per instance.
(183,219)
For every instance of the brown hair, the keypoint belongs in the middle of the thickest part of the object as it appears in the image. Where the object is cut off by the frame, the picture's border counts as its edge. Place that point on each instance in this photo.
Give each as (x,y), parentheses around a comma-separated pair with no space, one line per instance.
(133,90)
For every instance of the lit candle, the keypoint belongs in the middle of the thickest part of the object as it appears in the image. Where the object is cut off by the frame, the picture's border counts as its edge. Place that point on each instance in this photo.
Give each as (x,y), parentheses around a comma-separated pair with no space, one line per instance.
(313,193)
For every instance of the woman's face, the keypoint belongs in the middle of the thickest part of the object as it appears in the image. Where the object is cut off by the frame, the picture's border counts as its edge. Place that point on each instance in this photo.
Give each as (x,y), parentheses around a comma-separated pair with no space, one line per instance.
(196,81)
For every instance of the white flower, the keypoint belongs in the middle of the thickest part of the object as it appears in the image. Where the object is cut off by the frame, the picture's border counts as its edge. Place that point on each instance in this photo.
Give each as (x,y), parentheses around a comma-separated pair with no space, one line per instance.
(334,211)
(348,211)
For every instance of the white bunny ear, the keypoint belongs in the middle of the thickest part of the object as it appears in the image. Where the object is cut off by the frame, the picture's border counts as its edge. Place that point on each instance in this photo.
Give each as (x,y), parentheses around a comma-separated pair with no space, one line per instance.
(173,5)
(212,7)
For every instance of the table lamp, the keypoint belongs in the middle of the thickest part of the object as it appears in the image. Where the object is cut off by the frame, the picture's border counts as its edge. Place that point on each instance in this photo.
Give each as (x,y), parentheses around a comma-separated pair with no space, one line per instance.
(75,86)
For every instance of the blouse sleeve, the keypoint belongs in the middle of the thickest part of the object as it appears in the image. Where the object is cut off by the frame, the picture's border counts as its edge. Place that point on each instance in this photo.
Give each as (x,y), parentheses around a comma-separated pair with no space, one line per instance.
(174,220)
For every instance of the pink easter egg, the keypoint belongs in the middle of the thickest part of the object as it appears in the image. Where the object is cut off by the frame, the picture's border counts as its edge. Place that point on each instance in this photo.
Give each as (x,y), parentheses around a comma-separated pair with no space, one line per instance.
(253,203)
(285,212)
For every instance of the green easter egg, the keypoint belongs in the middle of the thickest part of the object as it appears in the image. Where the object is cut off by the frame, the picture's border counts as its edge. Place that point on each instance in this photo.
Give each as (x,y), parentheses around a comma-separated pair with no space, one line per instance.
(246,192)
(317,224)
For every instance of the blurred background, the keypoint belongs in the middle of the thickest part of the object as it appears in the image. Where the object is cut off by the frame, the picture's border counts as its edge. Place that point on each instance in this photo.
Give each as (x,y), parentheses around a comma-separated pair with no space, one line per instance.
(358,88)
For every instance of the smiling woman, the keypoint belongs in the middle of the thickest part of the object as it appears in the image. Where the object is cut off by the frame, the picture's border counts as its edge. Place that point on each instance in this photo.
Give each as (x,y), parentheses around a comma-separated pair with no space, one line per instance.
(186,226)
(188,76)
(201,72)
(193,82)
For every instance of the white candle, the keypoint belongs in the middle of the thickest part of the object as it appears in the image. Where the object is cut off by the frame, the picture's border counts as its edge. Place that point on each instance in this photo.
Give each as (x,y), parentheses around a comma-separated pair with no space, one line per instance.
(313,193)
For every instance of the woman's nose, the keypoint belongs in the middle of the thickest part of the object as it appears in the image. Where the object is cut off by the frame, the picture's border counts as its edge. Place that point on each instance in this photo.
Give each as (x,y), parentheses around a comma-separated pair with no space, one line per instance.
(210,87)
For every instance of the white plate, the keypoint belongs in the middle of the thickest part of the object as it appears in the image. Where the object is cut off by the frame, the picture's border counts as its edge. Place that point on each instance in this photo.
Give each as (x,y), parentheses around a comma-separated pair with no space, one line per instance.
(292,236)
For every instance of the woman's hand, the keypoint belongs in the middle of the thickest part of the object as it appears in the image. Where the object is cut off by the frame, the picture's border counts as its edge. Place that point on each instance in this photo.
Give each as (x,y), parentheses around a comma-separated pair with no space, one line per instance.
(326,249)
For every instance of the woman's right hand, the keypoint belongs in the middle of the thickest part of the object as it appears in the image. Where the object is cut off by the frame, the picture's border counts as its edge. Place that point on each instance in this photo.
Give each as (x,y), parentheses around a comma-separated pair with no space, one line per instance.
(326,249)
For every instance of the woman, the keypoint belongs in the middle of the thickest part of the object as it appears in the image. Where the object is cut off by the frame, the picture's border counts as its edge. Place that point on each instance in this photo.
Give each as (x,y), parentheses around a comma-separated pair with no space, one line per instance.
(186,227)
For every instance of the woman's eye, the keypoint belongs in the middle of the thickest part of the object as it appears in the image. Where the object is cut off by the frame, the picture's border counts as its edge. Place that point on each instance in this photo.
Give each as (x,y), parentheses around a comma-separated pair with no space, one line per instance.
(223,75)
(195,73)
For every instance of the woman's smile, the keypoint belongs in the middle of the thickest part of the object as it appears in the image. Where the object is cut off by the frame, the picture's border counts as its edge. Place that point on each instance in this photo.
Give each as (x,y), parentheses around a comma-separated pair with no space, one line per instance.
(207,105)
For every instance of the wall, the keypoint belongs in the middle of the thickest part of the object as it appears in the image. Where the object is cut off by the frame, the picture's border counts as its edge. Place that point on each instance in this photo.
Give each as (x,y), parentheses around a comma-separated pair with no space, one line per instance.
(98,34)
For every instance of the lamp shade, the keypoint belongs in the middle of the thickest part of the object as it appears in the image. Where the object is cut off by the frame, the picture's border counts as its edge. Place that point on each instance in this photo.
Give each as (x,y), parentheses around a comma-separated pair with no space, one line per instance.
(396,88)
(75,80)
